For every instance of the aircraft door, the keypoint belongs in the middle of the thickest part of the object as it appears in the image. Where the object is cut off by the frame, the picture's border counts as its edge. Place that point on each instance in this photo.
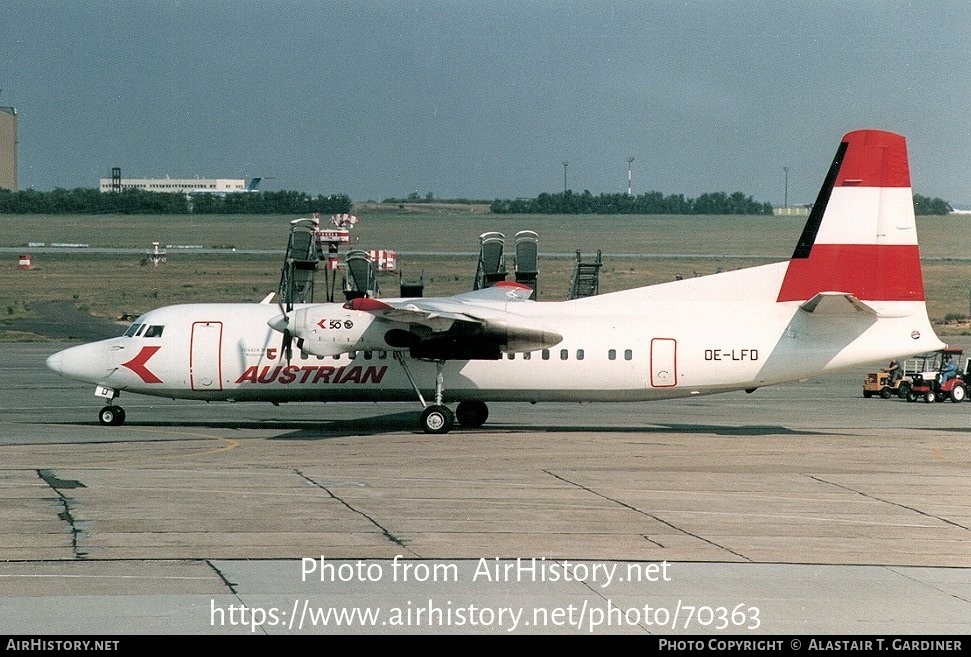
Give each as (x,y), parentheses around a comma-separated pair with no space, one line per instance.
(205,356)
(664,363)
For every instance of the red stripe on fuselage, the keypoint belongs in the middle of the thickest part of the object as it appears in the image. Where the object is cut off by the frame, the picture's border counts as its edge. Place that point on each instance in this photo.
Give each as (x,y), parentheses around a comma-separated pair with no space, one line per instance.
(870,272)
(874,159)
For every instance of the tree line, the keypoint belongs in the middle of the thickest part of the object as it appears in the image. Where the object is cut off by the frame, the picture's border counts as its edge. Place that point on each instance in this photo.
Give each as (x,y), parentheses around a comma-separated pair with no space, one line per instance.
(931,206)
(657,203)
(136,201)
(647,203)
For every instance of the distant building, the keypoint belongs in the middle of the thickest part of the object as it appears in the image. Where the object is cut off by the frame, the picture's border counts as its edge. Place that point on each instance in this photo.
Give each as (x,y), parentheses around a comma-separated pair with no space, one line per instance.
(176,185)
(792,211)
(8,148)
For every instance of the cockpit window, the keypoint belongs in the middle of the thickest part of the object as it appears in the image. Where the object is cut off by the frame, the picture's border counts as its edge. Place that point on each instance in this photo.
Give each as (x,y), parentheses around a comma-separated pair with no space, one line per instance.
(144,330)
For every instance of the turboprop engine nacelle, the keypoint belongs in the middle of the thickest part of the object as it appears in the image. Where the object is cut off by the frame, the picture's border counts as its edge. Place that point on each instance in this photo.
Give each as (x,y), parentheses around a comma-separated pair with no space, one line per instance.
(331,329)
(521,335)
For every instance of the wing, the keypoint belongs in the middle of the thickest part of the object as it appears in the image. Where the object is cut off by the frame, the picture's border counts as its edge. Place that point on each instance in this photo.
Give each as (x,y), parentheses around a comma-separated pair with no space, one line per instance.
(438,313)
(470,325)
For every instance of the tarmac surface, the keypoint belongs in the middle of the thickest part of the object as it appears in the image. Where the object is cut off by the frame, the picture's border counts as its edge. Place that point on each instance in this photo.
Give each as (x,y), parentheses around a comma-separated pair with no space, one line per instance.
(798,509)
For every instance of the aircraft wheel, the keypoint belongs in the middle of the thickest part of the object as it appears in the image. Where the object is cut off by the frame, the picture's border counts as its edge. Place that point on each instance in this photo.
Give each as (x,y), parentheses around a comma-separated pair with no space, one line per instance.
(436,419)
(111,416)
(958,393)
(472,413)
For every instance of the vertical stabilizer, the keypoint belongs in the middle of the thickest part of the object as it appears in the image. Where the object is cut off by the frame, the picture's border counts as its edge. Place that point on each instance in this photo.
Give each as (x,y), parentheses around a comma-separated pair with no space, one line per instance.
(861,236)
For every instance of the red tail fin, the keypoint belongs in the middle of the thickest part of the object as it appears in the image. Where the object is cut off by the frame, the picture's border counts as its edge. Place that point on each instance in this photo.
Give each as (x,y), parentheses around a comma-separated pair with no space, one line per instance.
(861,237)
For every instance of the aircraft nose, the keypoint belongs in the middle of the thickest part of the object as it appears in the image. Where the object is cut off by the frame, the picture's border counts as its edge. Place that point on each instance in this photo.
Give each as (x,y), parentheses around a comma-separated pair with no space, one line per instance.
(82,363)
(56,362)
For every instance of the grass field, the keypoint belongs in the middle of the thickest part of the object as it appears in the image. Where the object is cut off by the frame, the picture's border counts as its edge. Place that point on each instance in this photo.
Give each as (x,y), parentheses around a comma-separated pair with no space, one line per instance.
(638,250)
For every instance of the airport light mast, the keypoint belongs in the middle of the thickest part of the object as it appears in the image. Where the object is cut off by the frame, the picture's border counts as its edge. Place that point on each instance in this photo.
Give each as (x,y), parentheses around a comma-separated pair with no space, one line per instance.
(630,192)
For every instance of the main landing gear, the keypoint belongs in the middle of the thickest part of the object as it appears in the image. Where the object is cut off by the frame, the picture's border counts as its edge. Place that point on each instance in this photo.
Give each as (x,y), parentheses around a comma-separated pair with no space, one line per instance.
(437,417)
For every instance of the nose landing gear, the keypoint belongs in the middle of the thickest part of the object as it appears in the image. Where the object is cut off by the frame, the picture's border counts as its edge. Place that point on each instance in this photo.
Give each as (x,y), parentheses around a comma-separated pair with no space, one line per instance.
(111,415)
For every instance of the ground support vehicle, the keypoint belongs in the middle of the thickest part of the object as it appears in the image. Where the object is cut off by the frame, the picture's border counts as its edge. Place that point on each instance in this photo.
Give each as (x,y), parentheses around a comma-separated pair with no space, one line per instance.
(880,384)
(927,385)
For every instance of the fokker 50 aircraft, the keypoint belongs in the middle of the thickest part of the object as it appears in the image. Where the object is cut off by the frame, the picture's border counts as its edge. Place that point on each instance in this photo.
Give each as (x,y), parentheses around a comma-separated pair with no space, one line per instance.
(851,294)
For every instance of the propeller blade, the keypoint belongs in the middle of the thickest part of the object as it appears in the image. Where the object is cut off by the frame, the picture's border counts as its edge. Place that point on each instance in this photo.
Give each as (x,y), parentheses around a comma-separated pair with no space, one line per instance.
(287,345)
(281,323)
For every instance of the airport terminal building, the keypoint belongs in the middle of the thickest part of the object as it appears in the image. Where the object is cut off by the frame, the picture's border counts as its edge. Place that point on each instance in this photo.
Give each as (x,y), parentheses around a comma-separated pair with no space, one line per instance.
(8,148)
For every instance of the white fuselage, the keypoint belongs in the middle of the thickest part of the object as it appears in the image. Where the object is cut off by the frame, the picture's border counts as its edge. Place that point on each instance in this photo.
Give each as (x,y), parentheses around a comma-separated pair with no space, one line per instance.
(697,336)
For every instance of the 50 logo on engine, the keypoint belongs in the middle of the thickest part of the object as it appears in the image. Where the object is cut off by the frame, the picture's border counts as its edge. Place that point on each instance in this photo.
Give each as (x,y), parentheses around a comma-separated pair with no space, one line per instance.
(335,324)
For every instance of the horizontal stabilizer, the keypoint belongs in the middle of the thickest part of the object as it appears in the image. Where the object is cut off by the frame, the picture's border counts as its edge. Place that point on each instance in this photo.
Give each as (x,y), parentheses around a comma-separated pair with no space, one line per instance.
(836,303)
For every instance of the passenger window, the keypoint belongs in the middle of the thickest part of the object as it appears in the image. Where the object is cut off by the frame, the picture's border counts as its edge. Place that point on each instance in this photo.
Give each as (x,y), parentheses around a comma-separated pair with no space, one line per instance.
(527,355)
(579,354)
(564,354)
(546,354)
(154,332)
(612,354)
(628,354)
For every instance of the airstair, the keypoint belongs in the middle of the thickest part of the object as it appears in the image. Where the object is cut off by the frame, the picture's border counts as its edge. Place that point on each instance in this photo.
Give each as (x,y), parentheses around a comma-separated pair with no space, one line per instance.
(527,270)
(299,263)
(586,277)
(361,280)
(492,262)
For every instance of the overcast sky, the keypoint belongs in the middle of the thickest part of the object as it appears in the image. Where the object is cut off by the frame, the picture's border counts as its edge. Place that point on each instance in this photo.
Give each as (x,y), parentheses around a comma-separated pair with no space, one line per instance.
(485,99)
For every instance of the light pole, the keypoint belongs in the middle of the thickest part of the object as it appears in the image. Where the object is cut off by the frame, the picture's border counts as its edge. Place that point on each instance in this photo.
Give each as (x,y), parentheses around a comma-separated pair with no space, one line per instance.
(785,202)
(565,164)
(630,192)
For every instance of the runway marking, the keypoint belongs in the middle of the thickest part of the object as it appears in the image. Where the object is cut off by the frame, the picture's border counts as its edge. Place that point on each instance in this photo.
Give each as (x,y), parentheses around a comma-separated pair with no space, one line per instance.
(140,577)
(230,444)
(938,453)
(786,516)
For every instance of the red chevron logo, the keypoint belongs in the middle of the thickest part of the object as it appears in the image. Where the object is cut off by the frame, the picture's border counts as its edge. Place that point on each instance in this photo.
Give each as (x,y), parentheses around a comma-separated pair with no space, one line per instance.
(137,365)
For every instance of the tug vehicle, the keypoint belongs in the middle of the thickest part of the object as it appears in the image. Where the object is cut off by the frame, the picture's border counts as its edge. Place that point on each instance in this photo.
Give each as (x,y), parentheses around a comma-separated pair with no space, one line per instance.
(881,384)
